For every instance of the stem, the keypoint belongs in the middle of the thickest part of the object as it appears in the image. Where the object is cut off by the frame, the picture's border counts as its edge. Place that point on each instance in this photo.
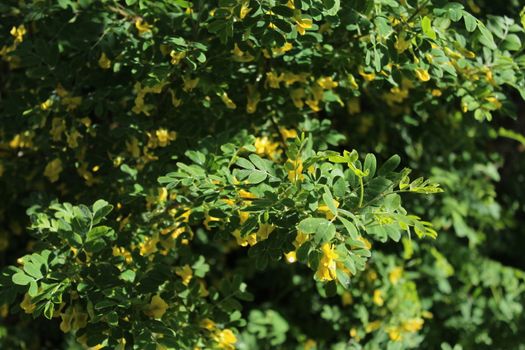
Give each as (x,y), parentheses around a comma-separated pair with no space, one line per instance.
(362,191)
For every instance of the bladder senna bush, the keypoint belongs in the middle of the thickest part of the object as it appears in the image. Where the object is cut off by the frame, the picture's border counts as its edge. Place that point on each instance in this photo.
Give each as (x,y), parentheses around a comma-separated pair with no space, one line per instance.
(178,175)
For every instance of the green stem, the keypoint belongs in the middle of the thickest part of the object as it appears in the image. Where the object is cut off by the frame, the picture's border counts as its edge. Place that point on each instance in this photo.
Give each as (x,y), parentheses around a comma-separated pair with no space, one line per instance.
(362,191)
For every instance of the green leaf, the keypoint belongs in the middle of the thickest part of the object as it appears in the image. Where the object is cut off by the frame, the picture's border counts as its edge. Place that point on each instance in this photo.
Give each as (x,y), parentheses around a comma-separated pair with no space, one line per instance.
(350,227)
(332,7)
(470,22)
(390,165)
(100,232)
(486,38)
(245,163)
(426,25)
(323,229)
(257,176)
(370,165)
(329,201)
(22,279)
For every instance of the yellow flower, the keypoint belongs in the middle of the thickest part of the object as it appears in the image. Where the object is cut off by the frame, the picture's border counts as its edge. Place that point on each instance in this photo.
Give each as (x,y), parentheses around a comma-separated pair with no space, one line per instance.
(422,74)
(104,62)
(226,339)
(72,138)
(264,231)
(413,324)
(156,308)
(291,257)
(273,80)
(288,133)
(176,56)
(373,326)
(313,104)
(494,100)
(253,99)
(164,137)
(265,147)
(309,344)
(395,275)
(18,33)
(53,169)
(208,219)
(227,101)
(327,83)
(249,239)
(73,319)
(208,324)
(149,246)
(244,9)
(189,84)
(325,210)
(326,271)
(366,76)
(241,56)
(378,297)
(401,43)
(283,49)
(301,24)
(297,96)
(353,82)
(142,27)
(121,251)
(27,305)
(394,334)
(346,298)
(185,272)
(436,92)
(46,104)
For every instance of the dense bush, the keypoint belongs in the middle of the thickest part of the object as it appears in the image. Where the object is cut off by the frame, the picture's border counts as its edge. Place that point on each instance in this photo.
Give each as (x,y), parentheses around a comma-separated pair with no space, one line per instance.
(182,174)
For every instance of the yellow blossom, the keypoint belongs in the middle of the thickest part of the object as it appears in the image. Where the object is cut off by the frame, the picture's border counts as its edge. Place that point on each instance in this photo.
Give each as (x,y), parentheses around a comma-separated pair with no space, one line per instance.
(207,219)
(18,33)
(373,326)
(149,246)
(346,298)
(253,99)
(366,76)
(156,308)
(394,334)
(436,92)
(297,96)
(72,138)
(176,56)
(121,251)
(27,305)
(73,319)
(53,169)
(327,83)
(208,324)
(326,210)
(164,137)
(185,272)
(227,101)
(313,104)
(46,104)
(104,62)
(264,231)
(301,24)
(241,56)
(265,147)
(142,27)
(244,9)
(249,239)
(378,297)
(291,257)
(413,324)
(225,339)
(353,82)
(273,79)
(288,133)
(395,274)
(326,271)
(422,74)
(189,84)
(283,49)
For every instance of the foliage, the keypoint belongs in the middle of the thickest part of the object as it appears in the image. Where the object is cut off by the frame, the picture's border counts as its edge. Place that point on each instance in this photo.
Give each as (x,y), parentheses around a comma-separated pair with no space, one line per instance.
(184,174)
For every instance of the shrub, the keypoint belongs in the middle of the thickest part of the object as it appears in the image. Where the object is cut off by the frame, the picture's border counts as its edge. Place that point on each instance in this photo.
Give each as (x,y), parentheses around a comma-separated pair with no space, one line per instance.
(183,174)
